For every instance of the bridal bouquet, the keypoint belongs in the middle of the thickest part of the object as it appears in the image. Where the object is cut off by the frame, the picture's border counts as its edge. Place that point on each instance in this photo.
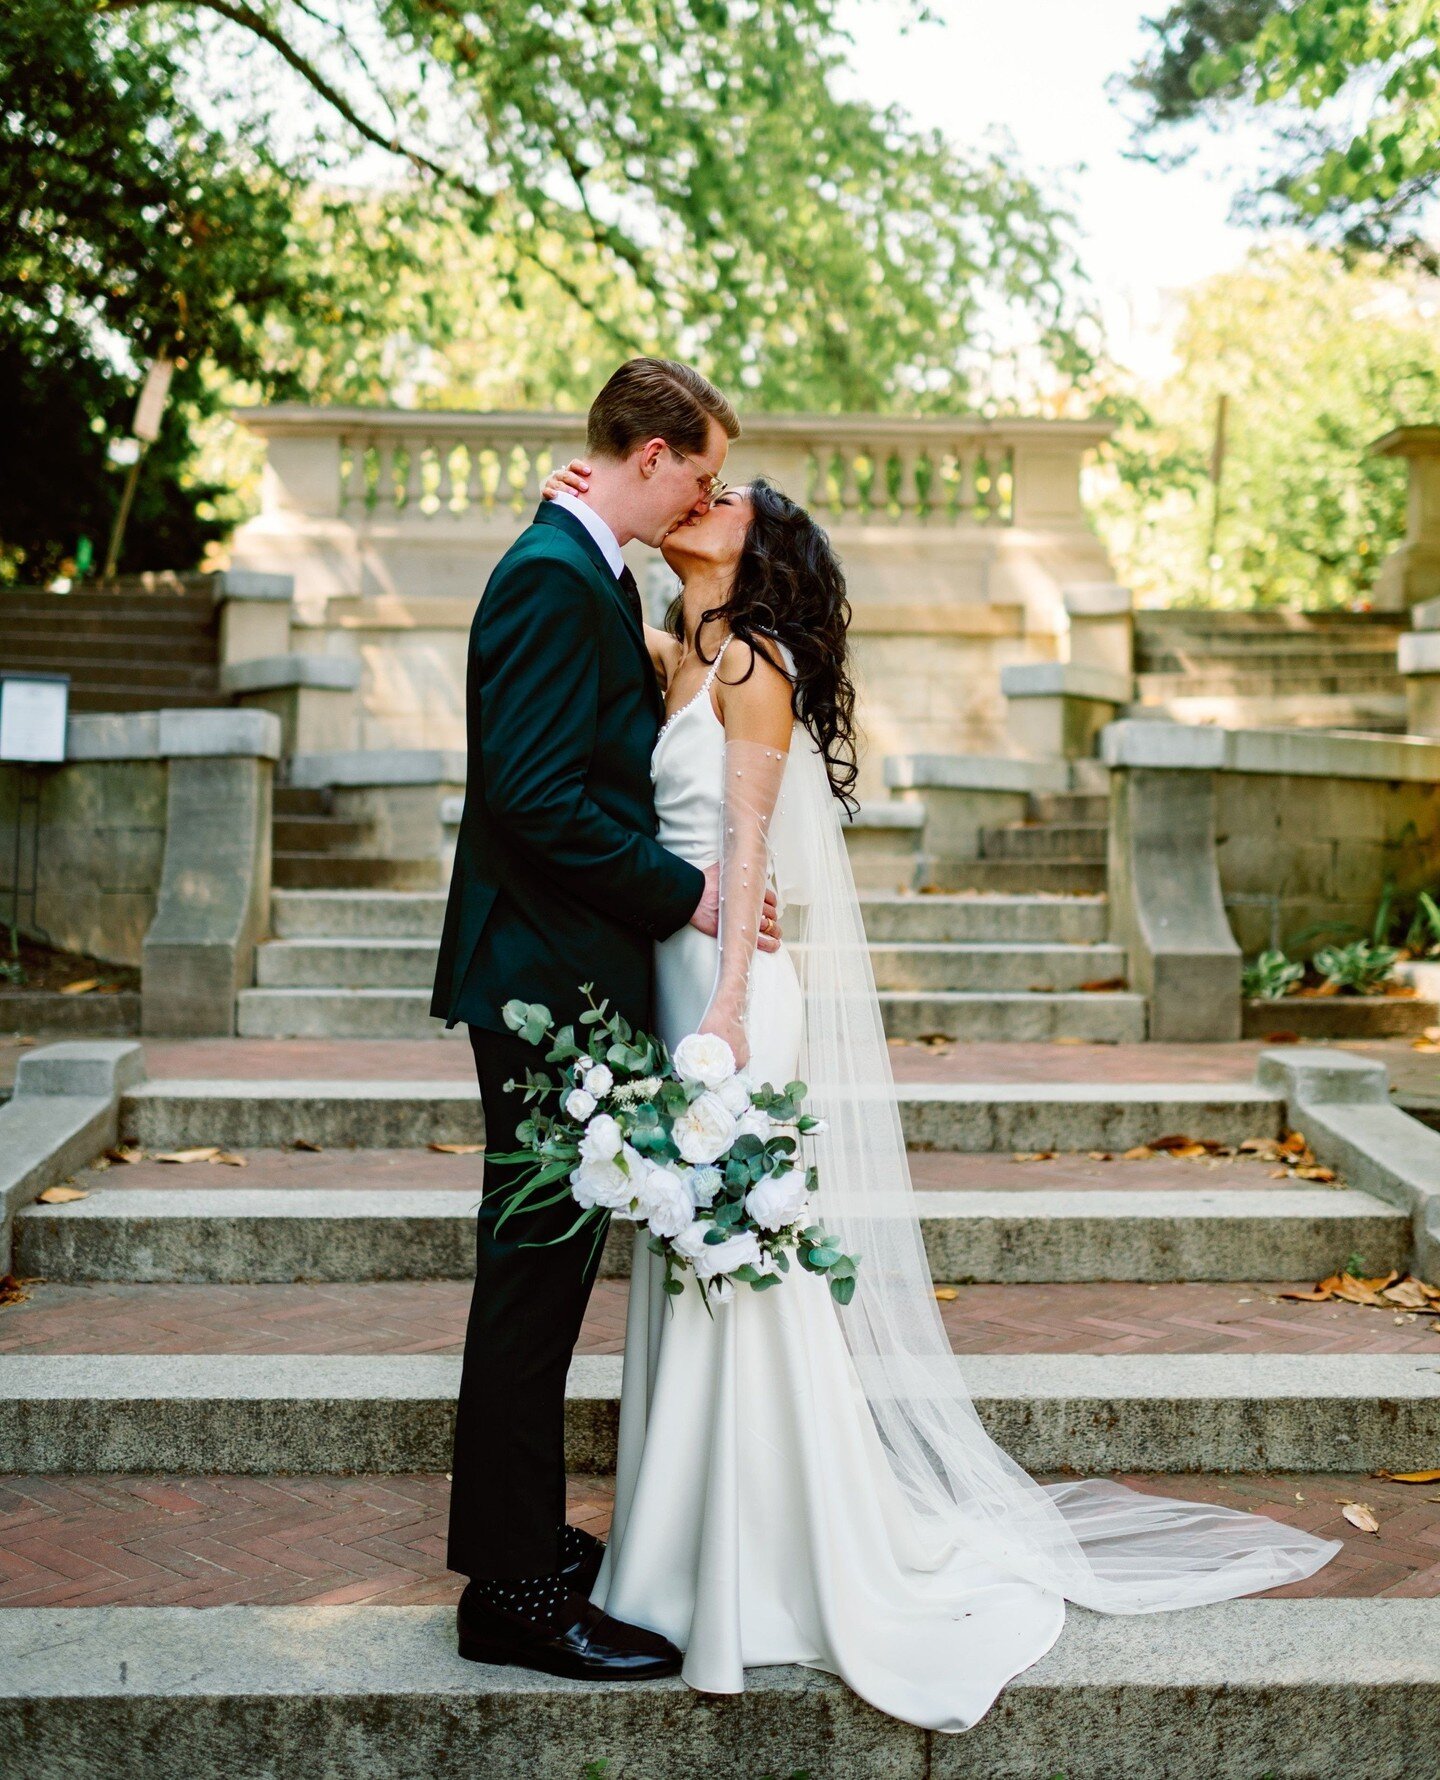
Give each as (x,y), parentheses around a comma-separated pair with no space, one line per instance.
(685,1145)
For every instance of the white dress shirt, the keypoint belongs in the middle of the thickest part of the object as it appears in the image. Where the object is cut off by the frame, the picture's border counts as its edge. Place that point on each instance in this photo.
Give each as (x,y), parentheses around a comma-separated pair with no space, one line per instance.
(597,528)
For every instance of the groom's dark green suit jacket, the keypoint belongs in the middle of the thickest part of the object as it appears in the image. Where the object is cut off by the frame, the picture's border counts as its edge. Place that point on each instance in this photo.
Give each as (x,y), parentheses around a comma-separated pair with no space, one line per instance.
(558,877)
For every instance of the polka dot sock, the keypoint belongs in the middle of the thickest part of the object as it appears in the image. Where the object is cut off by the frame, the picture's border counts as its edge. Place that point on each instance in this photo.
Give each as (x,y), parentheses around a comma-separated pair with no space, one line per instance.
(538,1600)
(574,1544)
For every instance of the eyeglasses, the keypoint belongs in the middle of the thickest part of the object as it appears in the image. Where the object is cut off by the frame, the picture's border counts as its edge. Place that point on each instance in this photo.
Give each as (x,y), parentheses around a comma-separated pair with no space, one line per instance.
(710,485)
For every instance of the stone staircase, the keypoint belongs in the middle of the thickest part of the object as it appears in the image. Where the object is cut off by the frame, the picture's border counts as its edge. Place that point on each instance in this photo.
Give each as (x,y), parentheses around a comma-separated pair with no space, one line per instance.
(1012,947)
(148,645)
(233,1388)
(315,849)
(1302,670)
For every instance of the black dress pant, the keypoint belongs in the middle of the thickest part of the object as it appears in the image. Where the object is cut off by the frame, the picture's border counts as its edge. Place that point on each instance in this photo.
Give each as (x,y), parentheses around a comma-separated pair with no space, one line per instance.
(507,1495)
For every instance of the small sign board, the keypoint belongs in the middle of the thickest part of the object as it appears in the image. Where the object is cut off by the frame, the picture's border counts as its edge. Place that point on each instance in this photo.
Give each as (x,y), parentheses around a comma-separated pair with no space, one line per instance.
(33,713)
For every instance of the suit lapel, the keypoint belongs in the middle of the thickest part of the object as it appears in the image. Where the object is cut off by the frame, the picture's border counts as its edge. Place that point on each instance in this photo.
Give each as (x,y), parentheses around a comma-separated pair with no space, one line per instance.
(549,514)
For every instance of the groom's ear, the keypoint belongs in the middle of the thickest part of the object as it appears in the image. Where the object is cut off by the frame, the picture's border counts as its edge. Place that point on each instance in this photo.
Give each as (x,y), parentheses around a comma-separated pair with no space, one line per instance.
(649,455)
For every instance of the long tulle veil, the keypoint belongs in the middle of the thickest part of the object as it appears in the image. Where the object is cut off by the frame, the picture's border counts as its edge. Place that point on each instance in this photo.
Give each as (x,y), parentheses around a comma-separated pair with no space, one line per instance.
(1098,1543)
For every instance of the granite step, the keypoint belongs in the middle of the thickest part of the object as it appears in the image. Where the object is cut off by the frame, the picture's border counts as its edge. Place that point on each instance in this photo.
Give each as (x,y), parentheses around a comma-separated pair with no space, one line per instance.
(253,1113)
(331,871)
(1045,841)
(1001,918)
(1292,1689)
(1005,1230)
(1104,1016)
(262,1413)
(318,833)
(1024,877)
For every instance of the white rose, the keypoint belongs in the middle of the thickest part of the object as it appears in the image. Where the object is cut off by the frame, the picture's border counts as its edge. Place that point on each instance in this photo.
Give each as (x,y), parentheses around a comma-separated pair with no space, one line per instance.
(583,1066)
(778,1200)
(734,1095)
(756,1124)
(704,1057)
(704,1130)
(704,1184)
(602,1139)
(726,1257)
(665,1201)
(599,1081)
(691,1239)
(579,1104)
(611,1183)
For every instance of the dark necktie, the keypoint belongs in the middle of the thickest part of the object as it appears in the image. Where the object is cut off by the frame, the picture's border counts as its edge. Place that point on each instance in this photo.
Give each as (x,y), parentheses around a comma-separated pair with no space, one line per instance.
(632,595)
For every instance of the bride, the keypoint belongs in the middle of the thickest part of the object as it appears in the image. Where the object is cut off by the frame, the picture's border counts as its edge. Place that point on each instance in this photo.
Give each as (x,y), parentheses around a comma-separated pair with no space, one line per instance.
(799,1482)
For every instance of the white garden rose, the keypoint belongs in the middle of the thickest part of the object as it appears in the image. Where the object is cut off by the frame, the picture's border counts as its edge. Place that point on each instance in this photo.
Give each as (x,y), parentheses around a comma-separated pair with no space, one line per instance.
(704,1057)
(599,1081)
(778,1200)
(583,1066)
(665,1201)
(704,1130)
(579,1105)
(716,1258)
(611,1183)
(755,1123)
(602,1139)
(691,1239)
(734,1095)
(704,1184)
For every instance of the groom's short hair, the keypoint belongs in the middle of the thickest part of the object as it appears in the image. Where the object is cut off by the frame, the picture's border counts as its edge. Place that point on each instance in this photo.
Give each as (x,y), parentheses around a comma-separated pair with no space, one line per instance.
(656,398)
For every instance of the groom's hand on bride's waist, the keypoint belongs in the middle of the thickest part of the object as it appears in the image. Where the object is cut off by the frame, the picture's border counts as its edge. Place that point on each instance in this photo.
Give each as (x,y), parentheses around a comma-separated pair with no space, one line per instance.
(707,913)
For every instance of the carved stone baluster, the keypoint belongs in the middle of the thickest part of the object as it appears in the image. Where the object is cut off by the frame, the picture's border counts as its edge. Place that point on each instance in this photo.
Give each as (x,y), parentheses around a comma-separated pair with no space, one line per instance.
(907,489)
(849,489)
(963,512)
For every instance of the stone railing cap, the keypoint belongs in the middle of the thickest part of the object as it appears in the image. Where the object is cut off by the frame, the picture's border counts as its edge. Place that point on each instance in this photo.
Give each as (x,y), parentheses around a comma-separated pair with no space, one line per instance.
(1065,679)
(90,1068)
(1324,1077)
(1407,441)
(253,584)
(1426,616)
(376,766)
(273,673)
(1419,652)
(1306,753)
(1098,599)
(888,815)
(163,735)
(974,772)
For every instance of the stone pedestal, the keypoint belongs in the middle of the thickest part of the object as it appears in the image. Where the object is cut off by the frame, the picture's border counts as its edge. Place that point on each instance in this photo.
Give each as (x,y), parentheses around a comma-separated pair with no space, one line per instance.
(1411,572)
(254,615)
(314,696)
(1055,710)
(1102,627)
(1419,658)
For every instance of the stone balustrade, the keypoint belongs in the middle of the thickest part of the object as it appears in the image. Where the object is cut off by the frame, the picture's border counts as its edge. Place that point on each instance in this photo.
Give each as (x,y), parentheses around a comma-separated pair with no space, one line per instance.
(958,534)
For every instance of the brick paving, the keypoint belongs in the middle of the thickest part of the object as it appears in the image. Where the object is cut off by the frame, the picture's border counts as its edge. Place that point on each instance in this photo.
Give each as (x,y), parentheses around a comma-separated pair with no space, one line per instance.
(154,1541)
(429,1317)
(302,1059)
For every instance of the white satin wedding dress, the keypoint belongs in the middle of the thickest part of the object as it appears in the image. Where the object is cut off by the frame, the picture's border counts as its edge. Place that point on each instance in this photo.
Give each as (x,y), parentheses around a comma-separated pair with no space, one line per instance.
(760,1516)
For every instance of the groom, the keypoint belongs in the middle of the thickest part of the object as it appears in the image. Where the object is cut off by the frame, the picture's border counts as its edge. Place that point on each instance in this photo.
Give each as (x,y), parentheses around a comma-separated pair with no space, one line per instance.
(559,881)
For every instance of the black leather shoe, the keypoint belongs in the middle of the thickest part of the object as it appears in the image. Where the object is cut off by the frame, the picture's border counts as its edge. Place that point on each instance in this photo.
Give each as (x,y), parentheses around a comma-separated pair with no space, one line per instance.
(581,1571)
(592,1647)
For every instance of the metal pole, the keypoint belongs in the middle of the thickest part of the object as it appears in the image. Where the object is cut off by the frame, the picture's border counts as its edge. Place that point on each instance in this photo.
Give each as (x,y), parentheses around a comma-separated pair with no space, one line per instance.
(122,516)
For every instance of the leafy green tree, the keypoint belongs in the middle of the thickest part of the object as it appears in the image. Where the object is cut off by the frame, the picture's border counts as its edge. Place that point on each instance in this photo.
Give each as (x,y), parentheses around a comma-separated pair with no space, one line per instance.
(1317,360)
(1350,90)
(429,197)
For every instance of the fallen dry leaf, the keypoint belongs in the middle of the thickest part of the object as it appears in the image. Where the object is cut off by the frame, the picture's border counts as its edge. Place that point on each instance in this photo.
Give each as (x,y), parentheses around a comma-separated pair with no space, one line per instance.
(1407,1294)
(1315,1174)
(1033,1156)
(61,1195)
(304,1143)
(1282,1038)
(12,1290)
(1141,1153)
(1409,1476)
(1268,1147)
(83,987)
(230,1159)
(1361,1515)
(1103,986)
(1310,1295)
(196,1155)
(457,1149)
(946,1294)
(1293,1143)
(1427,1045)
(125,1152)
(1100,1155)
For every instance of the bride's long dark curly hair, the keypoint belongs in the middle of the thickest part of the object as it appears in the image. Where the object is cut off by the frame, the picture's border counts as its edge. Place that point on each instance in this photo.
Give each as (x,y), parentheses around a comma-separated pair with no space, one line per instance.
(789,585)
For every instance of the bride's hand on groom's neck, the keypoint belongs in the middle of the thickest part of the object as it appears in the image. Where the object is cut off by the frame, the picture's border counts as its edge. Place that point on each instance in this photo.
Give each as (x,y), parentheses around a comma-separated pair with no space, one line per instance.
(571,478)
(707,913)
